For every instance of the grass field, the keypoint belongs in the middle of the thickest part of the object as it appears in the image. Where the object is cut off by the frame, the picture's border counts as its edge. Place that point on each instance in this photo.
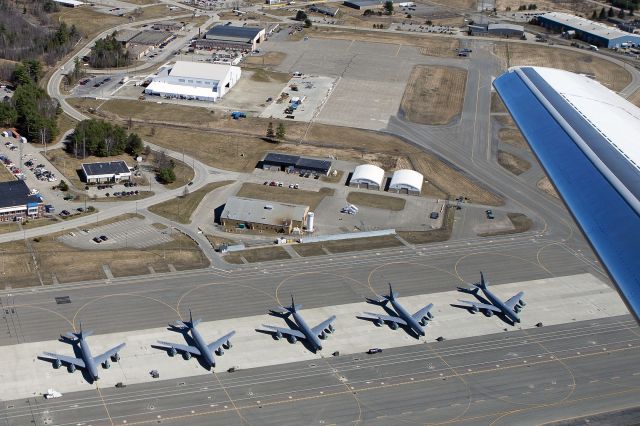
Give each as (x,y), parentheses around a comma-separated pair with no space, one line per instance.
(5,174)
(268,59)
(343,246)
(513,163)
(572,6)
(181,208)
(512,136)
(545,185)
(497,106)
(609,74)
(307,250)
(635,98)
(284,195)
(521,223)
(436,235)
(434,95)
(264,76)
(257,255)
(377,201)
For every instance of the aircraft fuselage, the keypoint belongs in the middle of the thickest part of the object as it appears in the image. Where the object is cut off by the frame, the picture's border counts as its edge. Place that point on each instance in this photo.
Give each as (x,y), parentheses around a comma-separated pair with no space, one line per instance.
(206,354)
(88,359)
(509,313)
(402,313)
(313,340)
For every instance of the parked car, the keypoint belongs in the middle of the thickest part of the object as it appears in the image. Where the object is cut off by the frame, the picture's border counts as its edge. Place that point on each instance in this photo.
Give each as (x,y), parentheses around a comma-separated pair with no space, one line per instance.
(434,215)
(97,240)
(374,351)
(103,237)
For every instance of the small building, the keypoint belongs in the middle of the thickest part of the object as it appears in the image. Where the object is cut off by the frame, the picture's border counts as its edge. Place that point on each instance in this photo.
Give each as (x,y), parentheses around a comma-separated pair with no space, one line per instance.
(125,36)
(595,33)
(137,51)
(263,216)
(294,163)
(406,181)
(325,10)
(69,3)
(500,29)
(230,37)
(18,203)
(194,80)
(151,38)
(364,4)
(168,26)
(108,171)
(367,176)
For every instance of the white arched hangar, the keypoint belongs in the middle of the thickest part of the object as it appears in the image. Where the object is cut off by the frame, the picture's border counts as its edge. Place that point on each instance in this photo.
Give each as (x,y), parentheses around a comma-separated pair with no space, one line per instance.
(406,181)
(367,176)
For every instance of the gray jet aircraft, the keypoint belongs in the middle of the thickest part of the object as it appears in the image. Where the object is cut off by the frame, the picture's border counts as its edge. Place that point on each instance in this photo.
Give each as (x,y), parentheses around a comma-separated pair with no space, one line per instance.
(199,348)
(311,335)
(508,309)
(415,322)
(86,362)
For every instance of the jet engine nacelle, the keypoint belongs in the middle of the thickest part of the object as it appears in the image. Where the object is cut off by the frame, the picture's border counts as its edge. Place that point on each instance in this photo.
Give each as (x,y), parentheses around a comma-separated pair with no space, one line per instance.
(219,351)
(423,321)
(227,345)
(278,335)
(323,335)
(106,364)
(57,363)
(187,355)
(429,315)
(522,303)
(393,325)
(331,329)
(488,313)
(115,357)
(517,308)
(71,368)
(172,352)
(378,323)
(474,310)
(292,339)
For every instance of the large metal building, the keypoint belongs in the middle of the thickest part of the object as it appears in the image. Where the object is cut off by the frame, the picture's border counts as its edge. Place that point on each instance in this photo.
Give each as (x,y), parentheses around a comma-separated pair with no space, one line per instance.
(406,181)
(264,216)
(592,32)
(367,176)
(294,163)
(229,37)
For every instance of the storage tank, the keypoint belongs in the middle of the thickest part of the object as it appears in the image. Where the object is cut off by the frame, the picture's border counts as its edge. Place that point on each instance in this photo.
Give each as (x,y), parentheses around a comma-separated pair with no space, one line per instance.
(310,218)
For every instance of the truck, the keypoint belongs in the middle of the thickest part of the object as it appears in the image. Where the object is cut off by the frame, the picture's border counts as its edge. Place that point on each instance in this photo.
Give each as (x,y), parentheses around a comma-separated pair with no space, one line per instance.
(124,79)
(236,115)
(592,47)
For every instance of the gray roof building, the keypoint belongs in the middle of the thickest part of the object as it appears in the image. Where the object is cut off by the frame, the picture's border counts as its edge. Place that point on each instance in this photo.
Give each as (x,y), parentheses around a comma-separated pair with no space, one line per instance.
(105,168)
(262,212)
(151,37)
(363,4)
(592,32)
(16,193)
(235,34)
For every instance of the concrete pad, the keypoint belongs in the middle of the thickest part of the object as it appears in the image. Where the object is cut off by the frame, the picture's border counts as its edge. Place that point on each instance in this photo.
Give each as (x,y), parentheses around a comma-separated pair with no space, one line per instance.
(551,301)
(315,89)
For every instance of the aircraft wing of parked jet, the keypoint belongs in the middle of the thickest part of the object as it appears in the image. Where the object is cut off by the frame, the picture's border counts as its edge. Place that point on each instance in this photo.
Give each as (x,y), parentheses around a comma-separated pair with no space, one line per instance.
(285,331)
(509,308)
(65,360)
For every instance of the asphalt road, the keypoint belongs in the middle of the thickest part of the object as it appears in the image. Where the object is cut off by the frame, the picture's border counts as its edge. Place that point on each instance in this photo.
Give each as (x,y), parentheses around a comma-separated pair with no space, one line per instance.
(523,377)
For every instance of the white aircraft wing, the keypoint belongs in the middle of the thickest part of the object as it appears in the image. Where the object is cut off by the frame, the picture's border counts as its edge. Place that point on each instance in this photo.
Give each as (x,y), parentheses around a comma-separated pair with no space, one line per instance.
(103,357)
(324,324)
(66,360)
(386,318)
(511,303)
(482,306)
(422,312)
(182,348)
(285,331)
(215,345)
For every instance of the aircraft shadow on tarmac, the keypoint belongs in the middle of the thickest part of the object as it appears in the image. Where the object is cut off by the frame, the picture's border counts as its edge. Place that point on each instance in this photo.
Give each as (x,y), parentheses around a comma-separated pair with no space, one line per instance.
(389,312)
(481,299)
(77,352)
(292,325)
(188,340)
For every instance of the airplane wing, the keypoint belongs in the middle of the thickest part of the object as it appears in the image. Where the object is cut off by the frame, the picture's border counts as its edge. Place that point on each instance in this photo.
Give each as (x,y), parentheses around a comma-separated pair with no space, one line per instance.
(593,161)
(514,300)
(386,318)
(324,324)
(481,306)
(181,348)
(215,345)
(66,360)
(422,312)
(103,357)
(286,331)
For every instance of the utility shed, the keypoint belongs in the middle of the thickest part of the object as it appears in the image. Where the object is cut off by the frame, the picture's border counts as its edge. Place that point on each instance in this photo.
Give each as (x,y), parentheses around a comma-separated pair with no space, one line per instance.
(406,181)
(367,176)
(263,216)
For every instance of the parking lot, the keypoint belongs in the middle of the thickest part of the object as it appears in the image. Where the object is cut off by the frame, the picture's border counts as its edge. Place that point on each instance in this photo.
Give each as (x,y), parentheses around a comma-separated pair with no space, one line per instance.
(130,233)
(310,92)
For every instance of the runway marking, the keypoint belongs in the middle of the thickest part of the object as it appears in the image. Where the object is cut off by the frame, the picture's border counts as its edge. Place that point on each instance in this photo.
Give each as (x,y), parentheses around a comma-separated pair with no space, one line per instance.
(348,388)
(104,404)
(296,275)
(242,419)
(455,267)
(405,263)
(42,309)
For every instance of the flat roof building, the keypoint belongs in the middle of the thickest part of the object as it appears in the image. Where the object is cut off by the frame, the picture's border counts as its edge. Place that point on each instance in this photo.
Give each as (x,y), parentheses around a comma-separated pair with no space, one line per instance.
(325,10)
(194,80)
(259,215)
(17,202)
(230,37)
(69,3)
(151,38)
(499,29)
(108,171)
(363,4)
(125,36)
(168,26)
(406,181)
(367,176)
(294,163)
(595,33)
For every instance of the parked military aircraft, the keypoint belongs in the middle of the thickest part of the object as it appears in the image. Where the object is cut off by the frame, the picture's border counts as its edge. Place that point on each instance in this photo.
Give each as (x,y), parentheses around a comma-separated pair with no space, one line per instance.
(311,335)
(199,348)
(414,322)
(86,362)
(509,309)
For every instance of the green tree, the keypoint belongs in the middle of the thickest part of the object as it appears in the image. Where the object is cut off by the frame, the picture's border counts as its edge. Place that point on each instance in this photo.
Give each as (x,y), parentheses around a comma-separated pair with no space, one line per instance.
(300,16)
(134,144)
(603,14)
(97,137)
(8,115)
(166,175)
(388,7)
(610,13)
(280,132)
(594,15)
(270,133)
(62,186)
(307,23)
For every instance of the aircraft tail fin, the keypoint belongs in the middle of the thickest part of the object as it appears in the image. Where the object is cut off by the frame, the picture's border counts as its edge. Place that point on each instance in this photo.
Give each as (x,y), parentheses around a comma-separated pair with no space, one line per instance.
(392,294)
(482,284)
(294,307)
(83,333)
(192,323)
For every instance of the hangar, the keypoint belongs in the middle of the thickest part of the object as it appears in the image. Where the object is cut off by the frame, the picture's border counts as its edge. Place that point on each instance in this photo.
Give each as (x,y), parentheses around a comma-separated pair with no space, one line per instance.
(229,37)
(367,176)
(592,32)
(363,4)
(194,80)
(260,215)
(294,163)
(406,181)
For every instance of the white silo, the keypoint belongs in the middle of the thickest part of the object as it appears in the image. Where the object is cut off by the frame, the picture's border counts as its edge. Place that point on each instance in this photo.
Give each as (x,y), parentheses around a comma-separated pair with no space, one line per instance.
(310,218)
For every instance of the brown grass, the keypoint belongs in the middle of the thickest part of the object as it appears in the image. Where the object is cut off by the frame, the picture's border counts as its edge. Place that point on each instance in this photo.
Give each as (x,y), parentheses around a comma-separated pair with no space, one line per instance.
(545,185)
(343,246)
(5,174)
(635,98)
(268,59)
(257,255)
(216,240)
(513,163)
(497,106)
(436,235)
(306,250)
(609,74)
(512,136)
(263,76)
(284,195)
(184,173)
(181,208)
(571,6)
(376,201)
(521,223)
(433,94)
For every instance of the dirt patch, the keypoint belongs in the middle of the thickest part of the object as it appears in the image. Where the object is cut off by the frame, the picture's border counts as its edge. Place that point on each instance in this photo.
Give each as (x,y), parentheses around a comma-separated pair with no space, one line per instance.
(436,235)
(5,174)
(257,255)
(609,74)
(433,95)
(352,244)
(216,241)
(264,76)
(284,195)
(572,6)
(545,185)
(307,250)
(268,59)
(513,163)
(521,223)
(181,208)
(635,98)
(376,201)
(512,136)
(497,106)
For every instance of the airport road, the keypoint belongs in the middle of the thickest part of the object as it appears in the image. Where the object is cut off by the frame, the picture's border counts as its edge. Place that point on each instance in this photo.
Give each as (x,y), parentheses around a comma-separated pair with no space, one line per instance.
(150,301)
(523,377)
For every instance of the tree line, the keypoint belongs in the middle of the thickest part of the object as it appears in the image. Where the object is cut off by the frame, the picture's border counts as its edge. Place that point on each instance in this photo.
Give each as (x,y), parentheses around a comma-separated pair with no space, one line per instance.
(109,53)
(102,139)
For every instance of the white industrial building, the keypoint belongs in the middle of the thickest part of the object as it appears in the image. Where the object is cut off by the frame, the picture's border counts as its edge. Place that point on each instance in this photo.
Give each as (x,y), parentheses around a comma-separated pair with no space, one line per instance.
(406,181)
(194,80)
(367,176)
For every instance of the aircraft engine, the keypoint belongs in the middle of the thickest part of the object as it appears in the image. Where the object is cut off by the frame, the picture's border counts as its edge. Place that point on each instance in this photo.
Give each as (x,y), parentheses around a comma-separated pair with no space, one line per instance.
(522,303)
(219,351)
(474,310)
(423,321)
(292,339)
(378,322)
(517,308)
(106,364)
(429,315)
(278,335)
(71,368)
(488,313)
(393,325)
(331,328)
(57,363)
(187,355)
(323,335)
(227,345)
(115,357)
(172,352)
